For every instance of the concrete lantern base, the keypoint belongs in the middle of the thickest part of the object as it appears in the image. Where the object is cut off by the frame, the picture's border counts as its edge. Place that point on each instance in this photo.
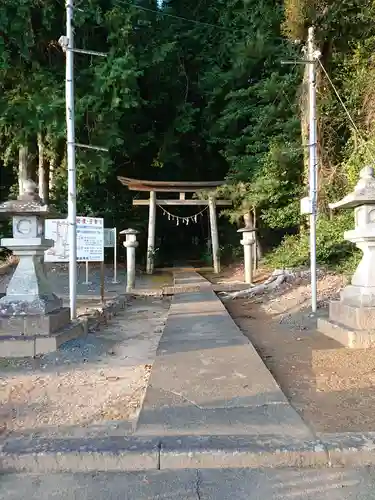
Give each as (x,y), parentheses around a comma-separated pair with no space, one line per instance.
(351,325)
(352,319)
(32,319)
(45,324)
(346,336)
(19,346)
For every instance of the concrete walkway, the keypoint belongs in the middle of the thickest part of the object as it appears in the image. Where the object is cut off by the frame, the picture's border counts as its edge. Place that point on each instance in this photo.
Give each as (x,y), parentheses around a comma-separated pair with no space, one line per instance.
(209,389)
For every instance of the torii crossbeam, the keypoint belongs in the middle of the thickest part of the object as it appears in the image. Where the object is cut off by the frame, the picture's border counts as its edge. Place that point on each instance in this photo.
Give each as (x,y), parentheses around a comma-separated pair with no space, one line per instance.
(182,188)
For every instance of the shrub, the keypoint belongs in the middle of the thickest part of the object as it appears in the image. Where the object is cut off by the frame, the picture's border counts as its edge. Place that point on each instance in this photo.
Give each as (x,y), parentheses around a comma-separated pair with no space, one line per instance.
(331,248)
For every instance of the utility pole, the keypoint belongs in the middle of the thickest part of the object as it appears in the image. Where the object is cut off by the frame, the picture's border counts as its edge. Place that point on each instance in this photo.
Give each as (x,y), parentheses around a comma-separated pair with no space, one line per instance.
(309,204)
(312,56)
(67,44)
(71,158)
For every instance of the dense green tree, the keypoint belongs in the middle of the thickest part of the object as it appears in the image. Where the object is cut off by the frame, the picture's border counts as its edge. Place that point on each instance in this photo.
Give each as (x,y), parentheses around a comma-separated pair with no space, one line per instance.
(189,90)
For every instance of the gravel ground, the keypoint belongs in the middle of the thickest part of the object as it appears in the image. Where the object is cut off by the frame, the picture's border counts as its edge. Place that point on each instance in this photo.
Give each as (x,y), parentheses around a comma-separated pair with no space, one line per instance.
(92,381)
(97,381)
(332,387)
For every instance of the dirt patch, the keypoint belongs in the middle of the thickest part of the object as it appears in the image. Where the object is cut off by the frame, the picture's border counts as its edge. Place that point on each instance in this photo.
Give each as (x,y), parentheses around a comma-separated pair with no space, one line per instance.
(233,274)
(58,277)
(333,388)
(96,381)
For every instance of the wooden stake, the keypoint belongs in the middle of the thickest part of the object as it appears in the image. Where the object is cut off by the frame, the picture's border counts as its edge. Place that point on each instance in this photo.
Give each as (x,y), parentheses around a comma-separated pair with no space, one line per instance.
(214,235)
(102,273)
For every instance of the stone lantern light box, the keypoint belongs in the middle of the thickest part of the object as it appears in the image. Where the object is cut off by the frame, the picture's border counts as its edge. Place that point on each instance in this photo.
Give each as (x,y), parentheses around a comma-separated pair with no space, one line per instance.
(352,318)
(32,317)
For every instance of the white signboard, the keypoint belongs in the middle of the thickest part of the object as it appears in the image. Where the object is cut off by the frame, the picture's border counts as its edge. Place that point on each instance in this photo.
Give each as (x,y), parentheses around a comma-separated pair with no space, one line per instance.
(109,237)
(90,240)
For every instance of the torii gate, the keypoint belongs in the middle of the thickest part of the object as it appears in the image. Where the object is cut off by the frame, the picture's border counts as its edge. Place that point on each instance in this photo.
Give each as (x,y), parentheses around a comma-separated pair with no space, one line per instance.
(182,188)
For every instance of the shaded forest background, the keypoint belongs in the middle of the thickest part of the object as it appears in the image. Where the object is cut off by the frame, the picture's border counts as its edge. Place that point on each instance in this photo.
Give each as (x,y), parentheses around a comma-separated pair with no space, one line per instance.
(193,90)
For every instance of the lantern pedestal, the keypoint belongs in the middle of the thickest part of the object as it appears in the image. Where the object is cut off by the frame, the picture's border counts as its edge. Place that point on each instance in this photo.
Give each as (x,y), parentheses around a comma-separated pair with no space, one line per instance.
(248,241)
(130,244)
(32,318)
(351,320)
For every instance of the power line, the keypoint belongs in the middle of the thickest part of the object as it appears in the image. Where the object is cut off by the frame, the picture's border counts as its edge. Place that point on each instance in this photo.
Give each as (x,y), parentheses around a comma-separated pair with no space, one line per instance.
(186,19)
(346,109)
(181,18)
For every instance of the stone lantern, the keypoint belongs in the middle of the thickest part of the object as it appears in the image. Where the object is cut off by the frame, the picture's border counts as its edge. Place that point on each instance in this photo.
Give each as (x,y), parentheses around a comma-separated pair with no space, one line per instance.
(248,241)
(130,244)
(352,319)
(32,318)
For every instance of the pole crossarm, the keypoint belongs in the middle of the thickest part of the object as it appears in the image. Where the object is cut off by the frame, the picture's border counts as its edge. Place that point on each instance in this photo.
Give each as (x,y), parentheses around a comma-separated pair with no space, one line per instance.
(89,52)
(89,146)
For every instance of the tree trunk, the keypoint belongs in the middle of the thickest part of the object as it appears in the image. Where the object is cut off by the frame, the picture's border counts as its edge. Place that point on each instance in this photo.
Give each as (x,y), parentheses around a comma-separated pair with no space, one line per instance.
(258,254)
(305,126)
(22,167)
(248,220)
(304,109)
(42,171)
(52,165)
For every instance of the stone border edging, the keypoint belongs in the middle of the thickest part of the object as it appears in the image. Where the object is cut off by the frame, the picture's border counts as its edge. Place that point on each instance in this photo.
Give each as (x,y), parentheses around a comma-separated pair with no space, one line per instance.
(133,453)
(99,316)
(146,292)
(216,288)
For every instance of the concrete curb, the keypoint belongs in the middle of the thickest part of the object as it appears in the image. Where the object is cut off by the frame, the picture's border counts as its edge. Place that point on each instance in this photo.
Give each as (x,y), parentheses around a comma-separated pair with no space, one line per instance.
(37,455)
(216,452)
(350,448)
(79,455)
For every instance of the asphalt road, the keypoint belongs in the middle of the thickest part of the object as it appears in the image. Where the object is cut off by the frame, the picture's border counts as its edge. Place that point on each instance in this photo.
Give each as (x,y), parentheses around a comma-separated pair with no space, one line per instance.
(271,484)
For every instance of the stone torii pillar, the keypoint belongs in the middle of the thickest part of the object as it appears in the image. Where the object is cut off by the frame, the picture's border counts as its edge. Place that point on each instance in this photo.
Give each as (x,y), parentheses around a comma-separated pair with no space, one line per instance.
(214,234)
(151,233)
